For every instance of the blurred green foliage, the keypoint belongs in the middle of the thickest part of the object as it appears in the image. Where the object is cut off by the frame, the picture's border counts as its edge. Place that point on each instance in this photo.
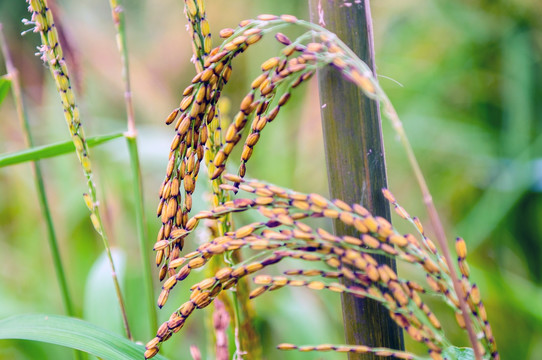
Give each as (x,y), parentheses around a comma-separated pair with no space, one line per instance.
(471,84)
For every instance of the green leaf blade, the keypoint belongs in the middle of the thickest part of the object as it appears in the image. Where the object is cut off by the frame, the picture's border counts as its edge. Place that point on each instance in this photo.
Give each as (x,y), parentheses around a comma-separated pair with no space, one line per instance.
(52,150)
(72,333)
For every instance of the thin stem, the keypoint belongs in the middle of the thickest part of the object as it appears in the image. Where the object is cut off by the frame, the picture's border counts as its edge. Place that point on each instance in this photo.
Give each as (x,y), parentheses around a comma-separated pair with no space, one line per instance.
(51,51)
(194,20)
(115,279)
(117,13)
(131,138)
(242,309)
(13,75)
(435,222)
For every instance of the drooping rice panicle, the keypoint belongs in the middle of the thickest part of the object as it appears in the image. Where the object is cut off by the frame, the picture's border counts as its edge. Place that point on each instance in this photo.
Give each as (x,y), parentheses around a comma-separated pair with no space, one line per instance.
(332,51)
(348,256)
(208,144)
(199,31)
(359,349)
(285,235)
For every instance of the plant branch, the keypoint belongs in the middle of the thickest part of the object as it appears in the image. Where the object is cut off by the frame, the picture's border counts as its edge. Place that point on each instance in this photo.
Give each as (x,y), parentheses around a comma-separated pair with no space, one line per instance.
(51,51)
(38,177)
(13,74)
(131,138)
(435,222)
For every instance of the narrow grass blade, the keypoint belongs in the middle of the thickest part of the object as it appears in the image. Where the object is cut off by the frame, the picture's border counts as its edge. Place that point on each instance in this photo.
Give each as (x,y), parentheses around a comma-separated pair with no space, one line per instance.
(47,151)
(5,84)
(72,333)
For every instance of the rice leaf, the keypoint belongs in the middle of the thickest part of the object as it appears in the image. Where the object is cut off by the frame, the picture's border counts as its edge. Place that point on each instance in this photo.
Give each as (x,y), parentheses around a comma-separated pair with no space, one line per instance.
(72,333)
(47,151)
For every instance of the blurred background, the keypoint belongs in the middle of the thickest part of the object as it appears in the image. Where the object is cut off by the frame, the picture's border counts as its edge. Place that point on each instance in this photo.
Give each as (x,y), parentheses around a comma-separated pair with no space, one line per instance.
(464,76)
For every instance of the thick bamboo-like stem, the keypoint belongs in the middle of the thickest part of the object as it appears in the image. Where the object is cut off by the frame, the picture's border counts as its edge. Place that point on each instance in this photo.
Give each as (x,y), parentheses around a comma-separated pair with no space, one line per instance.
(355,160)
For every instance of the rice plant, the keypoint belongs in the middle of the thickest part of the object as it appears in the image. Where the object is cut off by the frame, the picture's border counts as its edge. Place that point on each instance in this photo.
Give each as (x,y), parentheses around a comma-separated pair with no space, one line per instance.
(333,262)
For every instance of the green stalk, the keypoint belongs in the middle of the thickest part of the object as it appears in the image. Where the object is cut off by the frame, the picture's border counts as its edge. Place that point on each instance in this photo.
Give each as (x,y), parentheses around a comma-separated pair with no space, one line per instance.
(131,139)
(51,50)
(355,163)
(13,74)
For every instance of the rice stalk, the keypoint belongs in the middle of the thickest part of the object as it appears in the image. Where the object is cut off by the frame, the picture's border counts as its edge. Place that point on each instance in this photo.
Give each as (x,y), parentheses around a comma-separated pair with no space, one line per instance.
(211,141)
(13,74)
(51,53)
(131,138)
